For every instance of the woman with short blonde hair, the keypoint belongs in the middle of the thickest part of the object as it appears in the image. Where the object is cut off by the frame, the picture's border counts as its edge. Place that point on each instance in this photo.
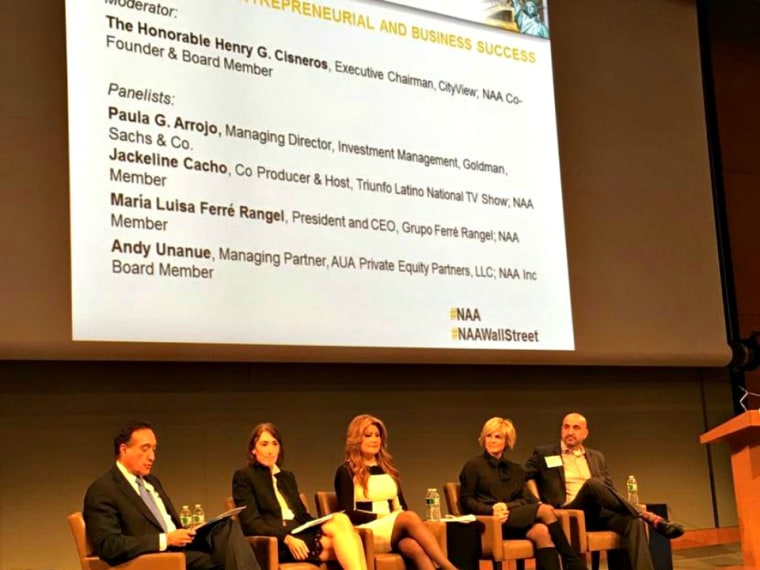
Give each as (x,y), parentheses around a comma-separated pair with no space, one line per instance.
(493,485)
(505,427)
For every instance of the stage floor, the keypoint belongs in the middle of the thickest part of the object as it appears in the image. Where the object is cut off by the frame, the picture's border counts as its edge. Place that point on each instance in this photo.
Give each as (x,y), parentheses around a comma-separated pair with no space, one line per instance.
(718,556)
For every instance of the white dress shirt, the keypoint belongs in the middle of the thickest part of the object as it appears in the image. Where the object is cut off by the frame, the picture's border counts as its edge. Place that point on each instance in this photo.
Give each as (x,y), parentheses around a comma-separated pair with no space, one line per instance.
(168,523)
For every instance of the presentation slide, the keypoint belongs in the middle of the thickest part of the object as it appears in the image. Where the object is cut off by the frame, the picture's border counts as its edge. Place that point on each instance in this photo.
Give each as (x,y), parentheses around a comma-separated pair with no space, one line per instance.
(332,173)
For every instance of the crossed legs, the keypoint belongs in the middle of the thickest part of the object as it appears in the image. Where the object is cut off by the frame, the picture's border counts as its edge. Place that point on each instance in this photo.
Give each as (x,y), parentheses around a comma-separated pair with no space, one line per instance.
(415,542)
(339,537)
(549,526)
(222,547)
(606,509)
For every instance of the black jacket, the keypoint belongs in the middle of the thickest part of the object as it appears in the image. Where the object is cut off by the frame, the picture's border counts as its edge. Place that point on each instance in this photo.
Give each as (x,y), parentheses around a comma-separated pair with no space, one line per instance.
(252,487)
(551,480)
(119,524)
(485,481)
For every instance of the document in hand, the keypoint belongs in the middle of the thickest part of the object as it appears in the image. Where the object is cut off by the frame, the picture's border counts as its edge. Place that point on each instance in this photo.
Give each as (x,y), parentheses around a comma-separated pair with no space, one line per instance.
(312,523)
(221,517)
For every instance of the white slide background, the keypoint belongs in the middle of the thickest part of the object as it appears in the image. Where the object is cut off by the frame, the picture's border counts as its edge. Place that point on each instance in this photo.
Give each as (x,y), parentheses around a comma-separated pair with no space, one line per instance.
(317,285)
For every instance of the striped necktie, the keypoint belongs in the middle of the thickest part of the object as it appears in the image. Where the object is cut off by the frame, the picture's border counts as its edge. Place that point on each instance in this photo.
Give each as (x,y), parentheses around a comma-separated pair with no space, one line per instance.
(148,499)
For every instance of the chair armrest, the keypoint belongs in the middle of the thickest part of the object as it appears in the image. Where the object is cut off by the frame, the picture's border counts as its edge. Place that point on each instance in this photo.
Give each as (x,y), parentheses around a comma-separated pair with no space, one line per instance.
(152,561)
(573,522)
(491,542)
(266,551)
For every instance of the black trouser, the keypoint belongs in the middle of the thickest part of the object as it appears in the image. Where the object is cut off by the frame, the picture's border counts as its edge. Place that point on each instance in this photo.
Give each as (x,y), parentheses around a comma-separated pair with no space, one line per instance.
(220,547)
(605,509)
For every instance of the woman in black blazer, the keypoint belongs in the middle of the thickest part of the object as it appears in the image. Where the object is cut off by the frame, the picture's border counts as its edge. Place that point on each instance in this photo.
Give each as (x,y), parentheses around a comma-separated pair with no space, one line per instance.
(491,485)
(274,508)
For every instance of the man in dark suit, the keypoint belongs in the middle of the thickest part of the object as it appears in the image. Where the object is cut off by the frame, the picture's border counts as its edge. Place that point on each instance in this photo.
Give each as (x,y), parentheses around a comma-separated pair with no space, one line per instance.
(572,476)
(127,513)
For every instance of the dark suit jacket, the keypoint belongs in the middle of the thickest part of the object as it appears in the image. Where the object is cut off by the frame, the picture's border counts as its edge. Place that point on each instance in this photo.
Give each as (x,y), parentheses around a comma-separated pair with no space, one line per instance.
(485,481)
(551,480)
(252,487)
(119,524)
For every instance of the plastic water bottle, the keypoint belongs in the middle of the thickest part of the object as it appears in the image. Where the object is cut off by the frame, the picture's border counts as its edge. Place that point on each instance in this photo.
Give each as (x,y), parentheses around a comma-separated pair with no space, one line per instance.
(633,490)
(185,517)
(199,517)
(433,505)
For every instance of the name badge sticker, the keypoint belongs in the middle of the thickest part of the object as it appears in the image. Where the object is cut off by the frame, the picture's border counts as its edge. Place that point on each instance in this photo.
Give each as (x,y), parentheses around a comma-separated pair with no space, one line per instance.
(553,461)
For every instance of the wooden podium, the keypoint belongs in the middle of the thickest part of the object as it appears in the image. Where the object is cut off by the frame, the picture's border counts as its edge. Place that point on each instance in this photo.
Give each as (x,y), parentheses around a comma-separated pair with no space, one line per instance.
(742,434)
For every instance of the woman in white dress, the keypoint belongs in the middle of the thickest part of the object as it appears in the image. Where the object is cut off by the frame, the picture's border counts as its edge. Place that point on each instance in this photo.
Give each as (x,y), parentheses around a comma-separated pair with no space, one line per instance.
(368,489)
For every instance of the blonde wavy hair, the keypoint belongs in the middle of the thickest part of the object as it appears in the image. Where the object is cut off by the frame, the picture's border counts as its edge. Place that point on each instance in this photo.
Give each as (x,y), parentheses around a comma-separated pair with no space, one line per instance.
(503,426)
(354,459)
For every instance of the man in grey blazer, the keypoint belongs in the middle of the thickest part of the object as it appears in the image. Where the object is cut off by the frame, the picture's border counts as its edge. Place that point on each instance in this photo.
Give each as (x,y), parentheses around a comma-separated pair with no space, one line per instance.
(127,513)
(572,476)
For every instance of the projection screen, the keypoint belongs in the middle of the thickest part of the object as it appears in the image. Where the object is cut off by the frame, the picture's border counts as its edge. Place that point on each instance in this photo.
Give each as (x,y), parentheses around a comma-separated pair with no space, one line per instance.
(372,181)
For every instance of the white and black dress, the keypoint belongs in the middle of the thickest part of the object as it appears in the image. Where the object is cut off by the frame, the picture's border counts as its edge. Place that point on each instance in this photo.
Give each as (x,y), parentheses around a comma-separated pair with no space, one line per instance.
(383,497)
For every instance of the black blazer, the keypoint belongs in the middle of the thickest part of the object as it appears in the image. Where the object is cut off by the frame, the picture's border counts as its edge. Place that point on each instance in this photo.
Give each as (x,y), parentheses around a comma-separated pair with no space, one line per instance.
(485,481)
(119,524)
(551,480)
(252,487)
